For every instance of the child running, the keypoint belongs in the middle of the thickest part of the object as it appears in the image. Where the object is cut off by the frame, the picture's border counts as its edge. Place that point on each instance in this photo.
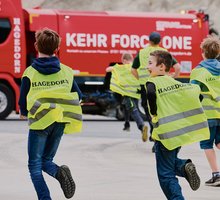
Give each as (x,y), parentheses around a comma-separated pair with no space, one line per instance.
(207,76)
(49,100)
(174,125)
(124,83)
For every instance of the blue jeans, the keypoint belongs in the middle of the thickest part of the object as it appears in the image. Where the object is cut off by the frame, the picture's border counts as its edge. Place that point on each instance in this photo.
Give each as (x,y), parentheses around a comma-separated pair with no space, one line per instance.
(168,167)
(131,109)
(42,147)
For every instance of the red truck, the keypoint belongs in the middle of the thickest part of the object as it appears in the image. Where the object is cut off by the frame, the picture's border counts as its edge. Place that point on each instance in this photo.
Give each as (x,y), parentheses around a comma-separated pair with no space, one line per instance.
(90,42)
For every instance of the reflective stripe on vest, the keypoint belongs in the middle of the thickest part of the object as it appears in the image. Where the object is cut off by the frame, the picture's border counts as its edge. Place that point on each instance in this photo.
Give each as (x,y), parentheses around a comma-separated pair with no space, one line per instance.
(41,114)
(180,121)
(211,101)
(39,102)
(45,111)
(178,116)
(123,82)
(209,96)
(183,131)
(53,103)
(121,90)
(211,107)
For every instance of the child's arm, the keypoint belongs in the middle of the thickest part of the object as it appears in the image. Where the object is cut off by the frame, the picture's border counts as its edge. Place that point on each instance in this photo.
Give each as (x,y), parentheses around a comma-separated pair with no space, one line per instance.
(75,88)
(176,67)
(135,66)
(25,87)
(151,96)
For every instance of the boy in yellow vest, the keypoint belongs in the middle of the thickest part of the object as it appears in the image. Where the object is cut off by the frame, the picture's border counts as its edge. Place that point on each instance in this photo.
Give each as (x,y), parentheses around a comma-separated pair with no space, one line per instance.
(49,100)
(174,125)
(207,76)
(123,82)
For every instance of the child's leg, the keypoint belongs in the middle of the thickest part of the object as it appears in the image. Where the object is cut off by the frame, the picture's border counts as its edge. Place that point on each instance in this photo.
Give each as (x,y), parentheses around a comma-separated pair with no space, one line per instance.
(180,164)
(127,112)
(211,157)
(139,120)
(62,173)
(55,133)
(207,145)
(127,115)
(136,114)
(166,171)
(36,145)
(185,168)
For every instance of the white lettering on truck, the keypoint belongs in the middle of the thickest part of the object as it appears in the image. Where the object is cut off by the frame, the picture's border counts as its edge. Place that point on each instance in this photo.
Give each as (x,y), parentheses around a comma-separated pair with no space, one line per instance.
(177,42)
(124,41)
(86,40)
(100,40)
(17,45)
(132,41)
(163,25)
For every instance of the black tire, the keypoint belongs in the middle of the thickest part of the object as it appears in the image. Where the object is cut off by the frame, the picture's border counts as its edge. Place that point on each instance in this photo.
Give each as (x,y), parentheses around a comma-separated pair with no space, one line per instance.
(7,101)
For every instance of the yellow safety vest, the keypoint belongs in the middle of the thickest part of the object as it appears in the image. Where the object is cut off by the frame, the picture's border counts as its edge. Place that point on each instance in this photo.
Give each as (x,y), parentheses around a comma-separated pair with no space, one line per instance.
(123,82)
(144,54)
(50,100)
(180,116)
(211,101)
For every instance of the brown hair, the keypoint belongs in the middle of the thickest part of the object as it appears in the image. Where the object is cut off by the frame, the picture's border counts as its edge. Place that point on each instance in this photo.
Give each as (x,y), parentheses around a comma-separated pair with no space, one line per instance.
(210,47)
(163,57)
(47,41)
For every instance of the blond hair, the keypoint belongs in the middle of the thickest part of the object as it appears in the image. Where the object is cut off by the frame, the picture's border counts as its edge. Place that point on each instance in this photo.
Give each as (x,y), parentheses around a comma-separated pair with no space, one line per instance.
(127,56)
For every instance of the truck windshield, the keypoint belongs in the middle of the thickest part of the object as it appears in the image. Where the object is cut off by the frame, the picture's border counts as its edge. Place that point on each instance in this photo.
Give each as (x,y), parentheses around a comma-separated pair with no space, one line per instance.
(5,28)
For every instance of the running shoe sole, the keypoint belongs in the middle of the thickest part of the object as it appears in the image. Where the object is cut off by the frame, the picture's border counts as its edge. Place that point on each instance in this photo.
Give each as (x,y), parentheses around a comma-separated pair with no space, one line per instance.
(66,181)
(191,176)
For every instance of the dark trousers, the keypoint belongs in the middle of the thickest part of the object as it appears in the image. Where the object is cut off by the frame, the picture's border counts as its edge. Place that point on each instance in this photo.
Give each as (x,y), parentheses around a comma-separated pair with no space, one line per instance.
(42,147)
(168,167)
(130,105)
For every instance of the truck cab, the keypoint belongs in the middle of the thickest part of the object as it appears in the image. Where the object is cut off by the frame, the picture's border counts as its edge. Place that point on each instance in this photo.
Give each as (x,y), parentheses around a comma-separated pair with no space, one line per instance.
(12,56)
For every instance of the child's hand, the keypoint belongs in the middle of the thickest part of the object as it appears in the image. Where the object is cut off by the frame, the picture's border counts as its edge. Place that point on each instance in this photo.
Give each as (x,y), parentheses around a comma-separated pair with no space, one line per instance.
(155,121)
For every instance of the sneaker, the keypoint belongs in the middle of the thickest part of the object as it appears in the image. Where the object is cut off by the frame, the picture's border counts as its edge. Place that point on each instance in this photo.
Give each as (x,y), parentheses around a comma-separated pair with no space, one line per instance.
(191,176)
(214,181)
(126,126)
(144,133)
(66,181)
(126,129)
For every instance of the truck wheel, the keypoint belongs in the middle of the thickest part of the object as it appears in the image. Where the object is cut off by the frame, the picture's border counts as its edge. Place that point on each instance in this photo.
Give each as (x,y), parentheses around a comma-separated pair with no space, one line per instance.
(120,113)
(6,101)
